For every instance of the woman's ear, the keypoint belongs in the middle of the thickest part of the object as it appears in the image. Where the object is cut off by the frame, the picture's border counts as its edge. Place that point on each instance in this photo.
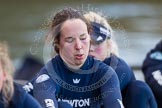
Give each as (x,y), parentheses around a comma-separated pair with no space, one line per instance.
(109,47)
(109,43)
(114,48)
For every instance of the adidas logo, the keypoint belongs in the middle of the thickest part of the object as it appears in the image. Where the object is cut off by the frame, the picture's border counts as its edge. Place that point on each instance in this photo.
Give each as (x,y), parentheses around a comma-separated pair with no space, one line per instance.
(76,81)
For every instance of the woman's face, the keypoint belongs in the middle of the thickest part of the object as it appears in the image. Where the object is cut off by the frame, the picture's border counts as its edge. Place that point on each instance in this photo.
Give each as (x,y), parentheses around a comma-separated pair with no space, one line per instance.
(100,51)
(74,42)
(2,76)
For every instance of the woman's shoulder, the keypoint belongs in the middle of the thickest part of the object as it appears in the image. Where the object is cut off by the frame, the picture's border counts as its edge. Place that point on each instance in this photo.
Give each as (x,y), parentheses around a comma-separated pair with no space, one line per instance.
(18,96)
(118,61)
(119,65)
(19,92)
(114,60)
(21,99)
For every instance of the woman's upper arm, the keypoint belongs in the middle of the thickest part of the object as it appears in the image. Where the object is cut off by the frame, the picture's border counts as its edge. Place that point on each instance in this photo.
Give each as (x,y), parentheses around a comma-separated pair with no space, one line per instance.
(110,91)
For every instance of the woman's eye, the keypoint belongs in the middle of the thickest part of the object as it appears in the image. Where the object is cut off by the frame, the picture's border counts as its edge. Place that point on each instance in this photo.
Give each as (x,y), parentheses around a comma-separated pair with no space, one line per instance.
(69,39)
(83,37)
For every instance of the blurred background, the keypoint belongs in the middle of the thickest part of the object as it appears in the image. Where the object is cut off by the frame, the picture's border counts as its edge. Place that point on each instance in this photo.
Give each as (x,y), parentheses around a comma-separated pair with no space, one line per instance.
(137,25)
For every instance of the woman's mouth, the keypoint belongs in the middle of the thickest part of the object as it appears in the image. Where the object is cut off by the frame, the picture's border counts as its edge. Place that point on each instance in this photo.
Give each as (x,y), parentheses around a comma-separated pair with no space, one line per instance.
(79,56)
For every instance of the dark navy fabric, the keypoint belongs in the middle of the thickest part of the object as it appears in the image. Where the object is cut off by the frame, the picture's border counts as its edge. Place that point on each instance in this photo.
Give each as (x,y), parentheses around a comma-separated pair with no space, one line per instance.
(93,84)
(138,95)
(152,69)
(64,105)
(123,71)
(135,94)
(20,99)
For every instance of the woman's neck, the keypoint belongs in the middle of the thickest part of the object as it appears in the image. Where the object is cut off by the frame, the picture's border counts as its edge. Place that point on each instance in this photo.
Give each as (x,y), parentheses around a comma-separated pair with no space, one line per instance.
(76,67)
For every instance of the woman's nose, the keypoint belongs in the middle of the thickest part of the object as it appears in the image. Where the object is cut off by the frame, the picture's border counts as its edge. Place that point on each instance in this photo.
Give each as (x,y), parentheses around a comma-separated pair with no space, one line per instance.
(78,44)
